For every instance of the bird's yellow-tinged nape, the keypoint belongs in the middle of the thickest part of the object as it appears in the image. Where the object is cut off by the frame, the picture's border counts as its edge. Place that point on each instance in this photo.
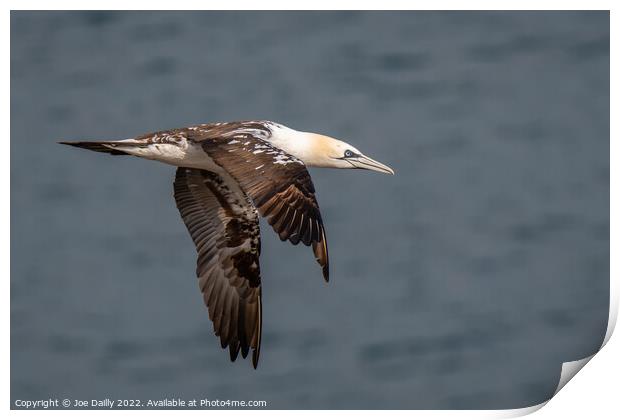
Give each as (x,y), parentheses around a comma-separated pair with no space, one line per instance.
(322,151)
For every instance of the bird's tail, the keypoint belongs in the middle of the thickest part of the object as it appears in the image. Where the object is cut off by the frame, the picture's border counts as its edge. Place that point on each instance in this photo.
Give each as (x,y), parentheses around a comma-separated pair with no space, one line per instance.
(110,147)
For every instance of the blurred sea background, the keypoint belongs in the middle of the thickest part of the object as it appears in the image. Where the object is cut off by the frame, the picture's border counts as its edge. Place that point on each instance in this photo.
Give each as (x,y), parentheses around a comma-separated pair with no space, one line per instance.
(462,282)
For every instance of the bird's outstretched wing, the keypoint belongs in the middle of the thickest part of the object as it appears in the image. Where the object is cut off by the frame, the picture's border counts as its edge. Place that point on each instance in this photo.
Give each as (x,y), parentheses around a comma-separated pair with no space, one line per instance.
(225,230)
(279,185)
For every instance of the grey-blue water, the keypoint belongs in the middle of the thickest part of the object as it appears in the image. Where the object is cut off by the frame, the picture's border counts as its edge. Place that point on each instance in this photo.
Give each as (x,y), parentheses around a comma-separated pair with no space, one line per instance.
(464,281)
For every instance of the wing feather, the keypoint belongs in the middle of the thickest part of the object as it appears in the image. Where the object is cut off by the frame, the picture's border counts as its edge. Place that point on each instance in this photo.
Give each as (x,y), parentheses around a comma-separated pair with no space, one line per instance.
(225,230)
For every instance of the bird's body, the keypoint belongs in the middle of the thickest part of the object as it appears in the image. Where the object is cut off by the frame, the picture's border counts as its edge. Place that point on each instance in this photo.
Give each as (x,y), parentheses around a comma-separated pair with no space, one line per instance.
(229,174)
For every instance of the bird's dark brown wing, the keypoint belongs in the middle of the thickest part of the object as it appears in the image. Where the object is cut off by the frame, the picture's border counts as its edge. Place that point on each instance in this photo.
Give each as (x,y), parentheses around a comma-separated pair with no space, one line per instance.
(225,230)
(279,185)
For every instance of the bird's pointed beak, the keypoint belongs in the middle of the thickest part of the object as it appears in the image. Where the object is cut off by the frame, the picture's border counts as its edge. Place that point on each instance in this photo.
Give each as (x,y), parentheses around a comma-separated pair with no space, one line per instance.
(364,162)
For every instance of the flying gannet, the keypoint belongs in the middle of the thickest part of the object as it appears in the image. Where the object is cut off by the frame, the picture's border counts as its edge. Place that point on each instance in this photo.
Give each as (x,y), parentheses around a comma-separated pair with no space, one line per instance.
(227,175)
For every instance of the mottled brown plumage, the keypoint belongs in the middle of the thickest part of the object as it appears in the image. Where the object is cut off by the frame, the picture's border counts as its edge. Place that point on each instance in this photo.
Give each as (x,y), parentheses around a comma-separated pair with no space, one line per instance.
(220,223)
(282,192)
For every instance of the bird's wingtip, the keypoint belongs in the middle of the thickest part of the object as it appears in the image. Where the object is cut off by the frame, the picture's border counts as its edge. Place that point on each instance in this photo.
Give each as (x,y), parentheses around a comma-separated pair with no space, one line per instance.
(255,354)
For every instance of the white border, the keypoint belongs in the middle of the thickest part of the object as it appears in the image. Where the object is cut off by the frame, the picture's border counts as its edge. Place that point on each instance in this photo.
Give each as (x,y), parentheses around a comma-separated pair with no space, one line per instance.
(596,384)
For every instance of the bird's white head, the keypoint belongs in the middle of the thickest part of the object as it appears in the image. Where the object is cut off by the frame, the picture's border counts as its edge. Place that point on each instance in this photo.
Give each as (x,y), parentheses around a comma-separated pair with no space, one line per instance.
(322,151)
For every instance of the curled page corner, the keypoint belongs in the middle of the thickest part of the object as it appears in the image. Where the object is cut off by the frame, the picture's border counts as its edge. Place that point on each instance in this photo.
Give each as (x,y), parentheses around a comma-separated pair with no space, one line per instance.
(570,369)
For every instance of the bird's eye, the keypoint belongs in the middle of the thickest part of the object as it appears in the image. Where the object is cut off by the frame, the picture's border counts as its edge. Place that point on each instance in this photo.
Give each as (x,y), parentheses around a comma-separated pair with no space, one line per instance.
(348,153)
